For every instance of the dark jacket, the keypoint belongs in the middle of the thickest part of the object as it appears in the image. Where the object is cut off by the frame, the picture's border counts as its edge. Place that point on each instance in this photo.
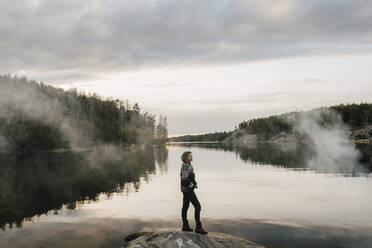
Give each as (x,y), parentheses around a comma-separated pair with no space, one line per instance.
(187,175)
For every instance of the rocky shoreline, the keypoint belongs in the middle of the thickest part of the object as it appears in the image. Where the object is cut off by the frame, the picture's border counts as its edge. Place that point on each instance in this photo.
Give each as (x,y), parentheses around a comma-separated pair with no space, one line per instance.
(359,136)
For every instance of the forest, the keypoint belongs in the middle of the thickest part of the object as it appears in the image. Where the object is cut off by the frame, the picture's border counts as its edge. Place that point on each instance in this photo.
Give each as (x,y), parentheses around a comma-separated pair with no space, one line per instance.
(354,116)
(216,136)
(36,117)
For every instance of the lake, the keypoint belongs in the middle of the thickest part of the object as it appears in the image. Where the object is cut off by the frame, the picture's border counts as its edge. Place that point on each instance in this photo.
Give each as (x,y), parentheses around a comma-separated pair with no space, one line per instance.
(265,194)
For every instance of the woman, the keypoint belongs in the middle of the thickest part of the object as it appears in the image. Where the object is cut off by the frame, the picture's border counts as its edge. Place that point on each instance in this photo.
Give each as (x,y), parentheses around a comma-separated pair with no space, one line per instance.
(188,184)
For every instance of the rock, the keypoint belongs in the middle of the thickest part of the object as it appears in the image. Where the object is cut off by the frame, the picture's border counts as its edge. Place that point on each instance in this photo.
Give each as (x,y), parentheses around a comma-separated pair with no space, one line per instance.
(241,138)
(362,133)
(283,137)
(173,238)
(289,138)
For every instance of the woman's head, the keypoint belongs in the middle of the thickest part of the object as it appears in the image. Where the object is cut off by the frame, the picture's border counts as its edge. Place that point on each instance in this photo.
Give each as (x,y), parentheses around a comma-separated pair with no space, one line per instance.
(186,157)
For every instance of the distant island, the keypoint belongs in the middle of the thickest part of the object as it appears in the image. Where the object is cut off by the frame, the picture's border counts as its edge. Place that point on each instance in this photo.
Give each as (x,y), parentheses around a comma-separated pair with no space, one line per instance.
(355,121)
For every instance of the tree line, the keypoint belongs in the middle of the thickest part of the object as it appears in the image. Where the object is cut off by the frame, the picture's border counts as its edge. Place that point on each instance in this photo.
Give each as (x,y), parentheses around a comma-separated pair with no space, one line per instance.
(353,115)
(216,136)
(37,116)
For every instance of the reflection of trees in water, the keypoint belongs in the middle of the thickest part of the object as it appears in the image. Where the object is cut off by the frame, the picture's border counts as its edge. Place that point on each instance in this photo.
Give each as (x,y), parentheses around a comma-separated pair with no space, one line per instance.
(284,155)
(161,157)
(34,183)
(289,157)
(299,156)
(366,152)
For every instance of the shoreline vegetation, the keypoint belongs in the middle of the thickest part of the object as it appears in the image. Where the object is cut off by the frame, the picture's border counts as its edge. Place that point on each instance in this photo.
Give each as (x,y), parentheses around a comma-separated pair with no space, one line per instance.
(354,121)
(39,117)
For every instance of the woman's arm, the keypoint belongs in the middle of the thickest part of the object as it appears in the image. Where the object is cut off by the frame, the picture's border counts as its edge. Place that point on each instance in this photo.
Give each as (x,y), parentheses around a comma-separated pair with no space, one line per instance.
(192,178)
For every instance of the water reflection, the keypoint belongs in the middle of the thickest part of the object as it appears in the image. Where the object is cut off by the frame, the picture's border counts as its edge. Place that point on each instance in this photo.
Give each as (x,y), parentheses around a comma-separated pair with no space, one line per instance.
(245,192)
(294,156)
(35,183)
(161,157)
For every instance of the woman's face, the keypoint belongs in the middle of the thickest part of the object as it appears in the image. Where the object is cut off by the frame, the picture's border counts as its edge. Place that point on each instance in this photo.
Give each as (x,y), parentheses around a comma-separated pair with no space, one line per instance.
(189,157)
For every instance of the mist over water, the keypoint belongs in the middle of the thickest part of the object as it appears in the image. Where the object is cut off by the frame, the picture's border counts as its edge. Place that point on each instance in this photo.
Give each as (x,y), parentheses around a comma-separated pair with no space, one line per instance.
(320,135)
(103,180)
(34,104)
(333,150)
(260,189)
(37,117)
(259,193)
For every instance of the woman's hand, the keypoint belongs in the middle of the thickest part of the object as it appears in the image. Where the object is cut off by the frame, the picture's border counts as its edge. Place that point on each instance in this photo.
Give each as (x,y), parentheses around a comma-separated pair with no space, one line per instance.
(193,185)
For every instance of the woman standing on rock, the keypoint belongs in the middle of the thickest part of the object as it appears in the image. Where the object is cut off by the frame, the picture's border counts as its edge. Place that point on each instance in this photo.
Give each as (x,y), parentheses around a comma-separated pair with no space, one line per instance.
(188,184)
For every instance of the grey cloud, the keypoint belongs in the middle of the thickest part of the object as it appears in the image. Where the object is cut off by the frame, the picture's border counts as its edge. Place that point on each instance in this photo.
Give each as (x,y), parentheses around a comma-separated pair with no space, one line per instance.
(100,36)
(313,80)
(167,85)
(254,98)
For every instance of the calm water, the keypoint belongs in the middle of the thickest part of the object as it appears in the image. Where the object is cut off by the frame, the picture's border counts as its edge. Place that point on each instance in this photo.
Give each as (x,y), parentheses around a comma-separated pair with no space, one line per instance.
(266,195)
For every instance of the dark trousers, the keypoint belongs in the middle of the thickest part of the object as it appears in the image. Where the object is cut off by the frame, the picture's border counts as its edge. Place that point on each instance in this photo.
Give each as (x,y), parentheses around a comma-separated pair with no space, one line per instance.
(187,198)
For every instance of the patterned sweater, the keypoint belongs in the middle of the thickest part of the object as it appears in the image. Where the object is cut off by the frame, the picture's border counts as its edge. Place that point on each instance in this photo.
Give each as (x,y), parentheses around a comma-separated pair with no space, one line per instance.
(188,182)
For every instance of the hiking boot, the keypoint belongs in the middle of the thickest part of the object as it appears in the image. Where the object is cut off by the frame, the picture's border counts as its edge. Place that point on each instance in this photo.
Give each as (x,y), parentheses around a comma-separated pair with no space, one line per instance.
(186,227)
(199,229)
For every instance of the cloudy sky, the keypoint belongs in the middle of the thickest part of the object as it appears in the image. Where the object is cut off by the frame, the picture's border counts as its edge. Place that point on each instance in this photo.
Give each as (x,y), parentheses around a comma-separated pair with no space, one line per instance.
(205,64)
